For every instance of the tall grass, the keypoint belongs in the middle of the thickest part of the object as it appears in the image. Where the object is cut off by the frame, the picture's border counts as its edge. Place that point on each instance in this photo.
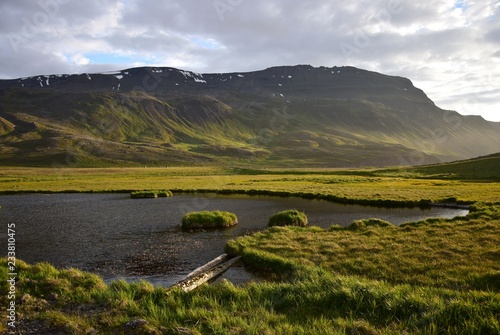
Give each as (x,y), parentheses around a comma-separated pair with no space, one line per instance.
(311,301)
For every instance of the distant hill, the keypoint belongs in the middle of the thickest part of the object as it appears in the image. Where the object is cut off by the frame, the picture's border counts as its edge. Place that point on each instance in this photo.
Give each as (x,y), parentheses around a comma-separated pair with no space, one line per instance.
(292,116)
(480,168)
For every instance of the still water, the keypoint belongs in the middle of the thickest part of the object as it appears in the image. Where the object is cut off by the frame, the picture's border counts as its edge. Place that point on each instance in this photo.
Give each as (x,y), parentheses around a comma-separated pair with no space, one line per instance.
(119,237)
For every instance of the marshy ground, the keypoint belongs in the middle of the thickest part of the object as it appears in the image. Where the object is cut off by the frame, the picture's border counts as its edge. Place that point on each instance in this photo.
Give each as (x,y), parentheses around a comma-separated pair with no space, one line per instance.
(438,276)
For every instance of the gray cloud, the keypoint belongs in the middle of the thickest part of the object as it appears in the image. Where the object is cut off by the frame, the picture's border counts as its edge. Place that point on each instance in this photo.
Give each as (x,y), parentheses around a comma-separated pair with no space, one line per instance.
(434,44)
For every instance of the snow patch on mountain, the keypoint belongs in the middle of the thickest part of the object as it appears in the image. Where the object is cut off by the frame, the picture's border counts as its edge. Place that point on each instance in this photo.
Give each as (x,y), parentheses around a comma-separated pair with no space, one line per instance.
(197,77)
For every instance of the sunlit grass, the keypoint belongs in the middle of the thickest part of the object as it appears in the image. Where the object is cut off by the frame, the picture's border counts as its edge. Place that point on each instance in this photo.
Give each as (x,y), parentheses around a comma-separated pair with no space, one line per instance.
(343,185)
(208,219)
(460,254)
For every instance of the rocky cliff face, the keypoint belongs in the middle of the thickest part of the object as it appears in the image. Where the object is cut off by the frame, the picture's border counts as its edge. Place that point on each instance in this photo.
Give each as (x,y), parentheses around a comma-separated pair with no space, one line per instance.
(292,115)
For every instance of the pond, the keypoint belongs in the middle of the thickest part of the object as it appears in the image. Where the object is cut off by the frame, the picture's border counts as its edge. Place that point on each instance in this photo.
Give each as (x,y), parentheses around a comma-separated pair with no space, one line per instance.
(119,237)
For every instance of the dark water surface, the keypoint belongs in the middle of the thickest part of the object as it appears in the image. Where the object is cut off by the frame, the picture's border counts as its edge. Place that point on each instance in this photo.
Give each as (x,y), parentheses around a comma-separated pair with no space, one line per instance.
(119,237)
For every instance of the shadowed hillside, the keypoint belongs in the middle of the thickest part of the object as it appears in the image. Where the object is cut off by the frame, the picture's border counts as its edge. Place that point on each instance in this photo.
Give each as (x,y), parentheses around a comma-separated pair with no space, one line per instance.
(281,116)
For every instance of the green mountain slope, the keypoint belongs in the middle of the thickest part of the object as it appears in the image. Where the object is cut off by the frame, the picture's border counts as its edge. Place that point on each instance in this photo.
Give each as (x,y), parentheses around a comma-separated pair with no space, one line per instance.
(283,116)
(5,126)
(480,168)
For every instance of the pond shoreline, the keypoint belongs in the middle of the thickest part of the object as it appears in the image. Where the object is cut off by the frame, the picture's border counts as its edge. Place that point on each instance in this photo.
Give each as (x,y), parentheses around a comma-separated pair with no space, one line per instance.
(380,203)
(116,236)
(449,205)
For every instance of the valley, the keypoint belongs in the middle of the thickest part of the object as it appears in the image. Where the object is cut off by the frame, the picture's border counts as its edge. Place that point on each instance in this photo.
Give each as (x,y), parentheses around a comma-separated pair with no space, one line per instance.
(73,148)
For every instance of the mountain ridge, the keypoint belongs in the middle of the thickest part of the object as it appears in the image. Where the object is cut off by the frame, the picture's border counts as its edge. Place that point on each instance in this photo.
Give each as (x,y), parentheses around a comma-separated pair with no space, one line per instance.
(303,115)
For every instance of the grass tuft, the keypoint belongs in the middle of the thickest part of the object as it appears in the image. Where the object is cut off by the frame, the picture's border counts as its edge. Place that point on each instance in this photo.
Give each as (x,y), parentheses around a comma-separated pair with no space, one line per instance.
(209,219)
(291,217)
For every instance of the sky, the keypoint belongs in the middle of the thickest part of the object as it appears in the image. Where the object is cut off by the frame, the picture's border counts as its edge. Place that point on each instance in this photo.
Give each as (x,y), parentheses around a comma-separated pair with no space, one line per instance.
(448,48)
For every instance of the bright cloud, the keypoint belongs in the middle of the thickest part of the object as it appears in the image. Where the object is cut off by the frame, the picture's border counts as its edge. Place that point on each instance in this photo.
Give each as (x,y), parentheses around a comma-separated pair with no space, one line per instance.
(79,59)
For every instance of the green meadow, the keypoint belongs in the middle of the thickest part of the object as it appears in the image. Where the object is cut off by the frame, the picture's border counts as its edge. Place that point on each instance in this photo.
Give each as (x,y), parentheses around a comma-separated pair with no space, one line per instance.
(392,186)
(437,276)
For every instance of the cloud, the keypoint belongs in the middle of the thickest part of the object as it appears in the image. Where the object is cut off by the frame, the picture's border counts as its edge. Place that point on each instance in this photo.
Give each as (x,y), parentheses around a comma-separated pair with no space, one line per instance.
(443,46)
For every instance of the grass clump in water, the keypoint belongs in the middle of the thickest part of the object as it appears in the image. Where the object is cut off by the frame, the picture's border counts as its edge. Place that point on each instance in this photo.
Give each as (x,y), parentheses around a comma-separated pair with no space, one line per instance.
(291,217)
(360,224)
(143,194)
(150,194)
(209,219)
(164,194)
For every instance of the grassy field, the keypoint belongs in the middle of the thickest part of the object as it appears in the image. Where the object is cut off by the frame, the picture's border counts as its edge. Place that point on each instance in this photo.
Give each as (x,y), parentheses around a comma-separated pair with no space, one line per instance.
(433,277)
(459,254)
(372,185)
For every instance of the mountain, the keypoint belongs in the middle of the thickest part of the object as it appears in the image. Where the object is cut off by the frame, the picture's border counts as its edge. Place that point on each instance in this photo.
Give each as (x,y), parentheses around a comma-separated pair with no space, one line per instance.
(281,116)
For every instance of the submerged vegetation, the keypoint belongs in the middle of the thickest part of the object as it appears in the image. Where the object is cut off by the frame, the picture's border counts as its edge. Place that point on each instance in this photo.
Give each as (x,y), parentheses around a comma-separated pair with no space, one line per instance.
(209,219)
(291,217)
(438,276)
